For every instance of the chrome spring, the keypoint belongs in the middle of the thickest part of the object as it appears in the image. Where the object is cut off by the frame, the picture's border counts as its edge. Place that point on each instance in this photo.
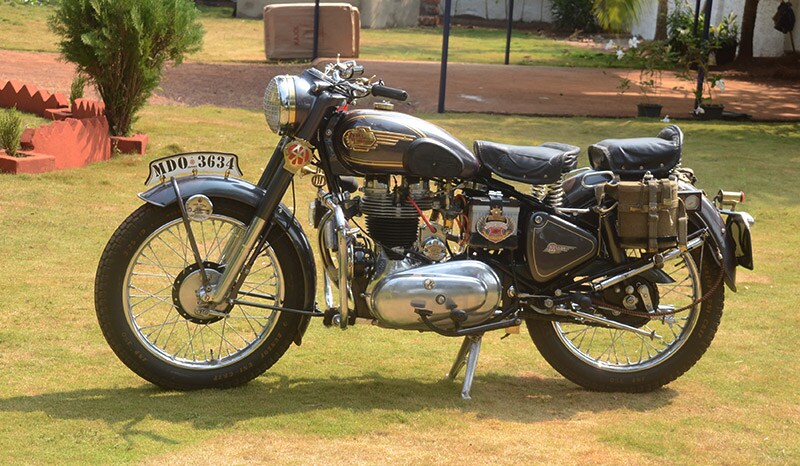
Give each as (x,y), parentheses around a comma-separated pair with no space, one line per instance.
(550,194)
(539,191)
(555,195)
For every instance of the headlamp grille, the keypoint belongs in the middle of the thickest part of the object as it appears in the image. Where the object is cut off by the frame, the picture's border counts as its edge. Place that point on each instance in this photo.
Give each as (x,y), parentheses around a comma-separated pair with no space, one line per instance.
(272,105)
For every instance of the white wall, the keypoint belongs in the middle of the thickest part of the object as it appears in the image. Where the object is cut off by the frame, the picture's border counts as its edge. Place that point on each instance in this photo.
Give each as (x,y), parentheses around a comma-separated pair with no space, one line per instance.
(768,42)
(524,10)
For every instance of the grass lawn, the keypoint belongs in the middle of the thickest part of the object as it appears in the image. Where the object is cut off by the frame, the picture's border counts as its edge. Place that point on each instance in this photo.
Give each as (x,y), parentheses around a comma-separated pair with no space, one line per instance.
(376,396)
(24,27)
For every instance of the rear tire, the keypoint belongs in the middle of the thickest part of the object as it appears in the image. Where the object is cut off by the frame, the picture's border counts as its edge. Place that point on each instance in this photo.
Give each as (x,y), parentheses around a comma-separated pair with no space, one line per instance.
(139,304)
(607,373)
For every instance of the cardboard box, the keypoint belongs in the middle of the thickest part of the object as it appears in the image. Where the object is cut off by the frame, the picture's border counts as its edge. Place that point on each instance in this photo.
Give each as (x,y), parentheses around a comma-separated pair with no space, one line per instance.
(289,30)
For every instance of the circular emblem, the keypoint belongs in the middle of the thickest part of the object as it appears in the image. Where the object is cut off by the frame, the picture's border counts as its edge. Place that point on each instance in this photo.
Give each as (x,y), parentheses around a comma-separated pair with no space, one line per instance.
(199,208)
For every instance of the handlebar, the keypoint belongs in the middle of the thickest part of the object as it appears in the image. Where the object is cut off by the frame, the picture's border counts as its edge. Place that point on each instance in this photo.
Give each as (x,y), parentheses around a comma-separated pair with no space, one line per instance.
(390,92)
(345,77)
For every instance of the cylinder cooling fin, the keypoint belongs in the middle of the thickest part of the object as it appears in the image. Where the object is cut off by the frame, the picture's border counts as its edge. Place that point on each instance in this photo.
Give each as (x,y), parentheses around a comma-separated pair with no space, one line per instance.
(391,218)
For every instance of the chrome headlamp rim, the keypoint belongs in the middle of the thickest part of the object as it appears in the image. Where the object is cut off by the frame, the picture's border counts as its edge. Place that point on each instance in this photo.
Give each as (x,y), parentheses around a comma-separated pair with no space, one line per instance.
(284,116)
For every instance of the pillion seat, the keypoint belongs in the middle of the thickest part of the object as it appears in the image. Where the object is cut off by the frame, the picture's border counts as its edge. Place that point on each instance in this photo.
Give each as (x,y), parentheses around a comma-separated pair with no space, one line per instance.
(632,158)
(542,164)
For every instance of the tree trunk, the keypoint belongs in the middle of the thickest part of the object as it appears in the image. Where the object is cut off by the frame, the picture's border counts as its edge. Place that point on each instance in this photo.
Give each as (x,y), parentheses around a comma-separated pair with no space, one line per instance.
(661,20)
(748,29)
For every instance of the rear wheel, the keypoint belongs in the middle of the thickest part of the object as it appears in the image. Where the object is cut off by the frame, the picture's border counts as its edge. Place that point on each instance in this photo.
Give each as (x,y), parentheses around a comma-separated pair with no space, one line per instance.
(605,359)
(146,302)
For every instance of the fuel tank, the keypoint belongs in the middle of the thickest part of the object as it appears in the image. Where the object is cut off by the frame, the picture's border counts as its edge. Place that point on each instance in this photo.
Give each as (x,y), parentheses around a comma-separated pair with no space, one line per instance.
(390,143)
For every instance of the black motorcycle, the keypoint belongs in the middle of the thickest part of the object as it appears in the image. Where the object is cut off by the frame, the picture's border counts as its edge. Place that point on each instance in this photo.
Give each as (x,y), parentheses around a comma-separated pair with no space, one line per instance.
(617,271)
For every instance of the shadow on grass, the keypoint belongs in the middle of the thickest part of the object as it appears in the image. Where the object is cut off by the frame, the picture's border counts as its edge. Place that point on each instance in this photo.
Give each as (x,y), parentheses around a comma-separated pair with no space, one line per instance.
(524,399)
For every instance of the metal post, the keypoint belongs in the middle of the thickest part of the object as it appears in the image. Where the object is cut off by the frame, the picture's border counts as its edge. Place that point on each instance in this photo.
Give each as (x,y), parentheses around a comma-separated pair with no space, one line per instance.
(701,75)
(696,17)
(445,47)
(508,29)
(315,52)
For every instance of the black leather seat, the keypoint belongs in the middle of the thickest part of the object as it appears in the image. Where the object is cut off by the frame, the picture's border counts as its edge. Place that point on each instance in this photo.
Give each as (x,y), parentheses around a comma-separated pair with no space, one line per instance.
(632,158)
(529,164)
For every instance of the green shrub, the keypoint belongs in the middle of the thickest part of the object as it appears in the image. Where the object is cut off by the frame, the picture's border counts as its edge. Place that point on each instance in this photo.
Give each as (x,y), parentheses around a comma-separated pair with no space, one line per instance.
(123,45)
(10,131)
(726,32)
(680,29)
(77,87)
(572,15)
(680,26)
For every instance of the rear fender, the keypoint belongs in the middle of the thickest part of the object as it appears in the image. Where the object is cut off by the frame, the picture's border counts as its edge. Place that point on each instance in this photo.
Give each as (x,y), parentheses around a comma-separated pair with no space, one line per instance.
(163,195)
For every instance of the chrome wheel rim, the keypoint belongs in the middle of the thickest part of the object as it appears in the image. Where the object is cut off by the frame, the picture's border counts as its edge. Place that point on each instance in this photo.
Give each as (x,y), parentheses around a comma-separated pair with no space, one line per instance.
(617,350)
(169,334)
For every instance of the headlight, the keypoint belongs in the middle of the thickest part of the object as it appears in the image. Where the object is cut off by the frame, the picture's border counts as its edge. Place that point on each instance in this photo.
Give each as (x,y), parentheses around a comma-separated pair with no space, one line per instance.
(280,103)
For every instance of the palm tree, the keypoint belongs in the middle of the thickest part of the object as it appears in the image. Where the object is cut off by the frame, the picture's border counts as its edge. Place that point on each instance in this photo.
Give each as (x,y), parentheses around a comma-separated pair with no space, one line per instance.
(617,15)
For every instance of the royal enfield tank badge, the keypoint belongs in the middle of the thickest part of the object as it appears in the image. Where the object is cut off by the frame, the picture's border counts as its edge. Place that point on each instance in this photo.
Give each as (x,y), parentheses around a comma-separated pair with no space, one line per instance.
(496,227)
(365,139)
(360,139)
(296,155)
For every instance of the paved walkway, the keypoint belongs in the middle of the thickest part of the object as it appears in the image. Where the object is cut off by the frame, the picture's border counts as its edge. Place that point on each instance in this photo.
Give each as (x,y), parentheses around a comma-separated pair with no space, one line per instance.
(514,89)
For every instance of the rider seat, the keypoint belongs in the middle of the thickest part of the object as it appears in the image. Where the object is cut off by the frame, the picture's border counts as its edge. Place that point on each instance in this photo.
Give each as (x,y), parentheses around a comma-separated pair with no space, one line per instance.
(542,164)
(632,158)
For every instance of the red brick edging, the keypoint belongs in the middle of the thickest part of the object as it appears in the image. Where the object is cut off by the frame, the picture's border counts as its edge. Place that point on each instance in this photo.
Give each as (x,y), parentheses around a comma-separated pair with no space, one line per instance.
(78,137)
(28,98)
(31,163)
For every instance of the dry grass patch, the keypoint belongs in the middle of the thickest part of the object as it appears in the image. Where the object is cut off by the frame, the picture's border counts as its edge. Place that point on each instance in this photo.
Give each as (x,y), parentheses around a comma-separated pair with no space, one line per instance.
(370,395)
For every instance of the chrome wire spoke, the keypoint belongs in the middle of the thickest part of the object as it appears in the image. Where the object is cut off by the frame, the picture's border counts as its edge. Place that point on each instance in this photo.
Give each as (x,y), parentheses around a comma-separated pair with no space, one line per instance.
(167,322)
(623,351)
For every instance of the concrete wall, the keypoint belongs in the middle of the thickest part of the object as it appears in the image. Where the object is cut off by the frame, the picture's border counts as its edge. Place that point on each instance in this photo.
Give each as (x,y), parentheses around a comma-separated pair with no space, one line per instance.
(524,10)
(376,14)
(768,42)
(382,14)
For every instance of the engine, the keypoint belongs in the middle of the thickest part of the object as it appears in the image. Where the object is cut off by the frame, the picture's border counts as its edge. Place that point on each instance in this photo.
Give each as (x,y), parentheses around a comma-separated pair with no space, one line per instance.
(392,219)
(399,270)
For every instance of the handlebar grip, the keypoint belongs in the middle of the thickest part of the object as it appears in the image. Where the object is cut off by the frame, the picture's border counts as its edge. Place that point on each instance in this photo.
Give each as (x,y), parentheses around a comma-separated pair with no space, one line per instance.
(390,92)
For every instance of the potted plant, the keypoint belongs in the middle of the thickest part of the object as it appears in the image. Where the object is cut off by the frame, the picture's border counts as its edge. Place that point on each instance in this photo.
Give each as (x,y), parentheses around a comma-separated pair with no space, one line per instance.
(650,58)
(680,26)
(708,110)
(693,63)
(725,39)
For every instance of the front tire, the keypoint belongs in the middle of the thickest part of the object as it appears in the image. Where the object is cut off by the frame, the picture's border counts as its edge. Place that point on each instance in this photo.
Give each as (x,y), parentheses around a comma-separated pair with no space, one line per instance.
(143,300)
(609,360)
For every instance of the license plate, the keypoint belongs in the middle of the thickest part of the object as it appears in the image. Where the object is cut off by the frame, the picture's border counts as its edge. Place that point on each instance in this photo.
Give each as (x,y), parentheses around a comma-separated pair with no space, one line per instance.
(193,163)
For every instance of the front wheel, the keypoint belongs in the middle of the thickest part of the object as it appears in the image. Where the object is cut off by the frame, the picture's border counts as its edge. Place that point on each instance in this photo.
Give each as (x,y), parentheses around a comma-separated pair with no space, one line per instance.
(606,359)
(146,301)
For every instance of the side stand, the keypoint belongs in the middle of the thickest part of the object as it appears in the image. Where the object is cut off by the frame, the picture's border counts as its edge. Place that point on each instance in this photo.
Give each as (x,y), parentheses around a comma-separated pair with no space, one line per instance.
(468,354)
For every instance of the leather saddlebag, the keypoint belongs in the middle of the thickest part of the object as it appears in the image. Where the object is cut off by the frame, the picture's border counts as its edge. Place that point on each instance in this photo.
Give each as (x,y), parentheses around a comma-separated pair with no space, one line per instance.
(650,215)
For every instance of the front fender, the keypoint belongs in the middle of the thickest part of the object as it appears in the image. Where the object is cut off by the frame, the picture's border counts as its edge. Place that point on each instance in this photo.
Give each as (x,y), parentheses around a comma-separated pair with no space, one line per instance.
(709,217)
(163,195)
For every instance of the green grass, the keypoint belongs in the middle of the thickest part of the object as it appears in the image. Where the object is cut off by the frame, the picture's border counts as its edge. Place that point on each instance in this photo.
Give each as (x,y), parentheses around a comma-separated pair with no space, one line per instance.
(24,27)
(371,395)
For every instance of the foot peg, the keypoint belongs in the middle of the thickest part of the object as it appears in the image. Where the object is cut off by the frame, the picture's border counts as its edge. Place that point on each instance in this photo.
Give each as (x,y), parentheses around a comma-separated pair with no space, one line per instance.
(468,354)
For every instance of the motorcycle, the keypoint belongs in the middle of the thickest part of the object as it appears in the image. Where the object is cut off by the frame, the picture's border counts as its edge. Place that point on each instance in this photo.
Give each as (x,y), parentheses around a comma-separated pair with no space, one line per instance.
(616,270)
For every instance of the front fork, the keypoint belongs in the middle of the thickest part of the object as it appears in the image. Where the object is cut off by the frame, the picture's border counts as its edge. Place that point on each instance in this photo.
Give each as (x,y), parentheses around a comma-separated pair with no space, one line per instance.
(275,181)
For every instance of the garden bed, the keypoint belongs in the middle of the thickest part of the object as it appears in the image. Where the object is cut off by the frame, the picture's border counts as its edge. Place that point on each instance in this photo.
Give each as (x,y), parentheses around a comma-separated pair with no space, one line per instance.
(77,137)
